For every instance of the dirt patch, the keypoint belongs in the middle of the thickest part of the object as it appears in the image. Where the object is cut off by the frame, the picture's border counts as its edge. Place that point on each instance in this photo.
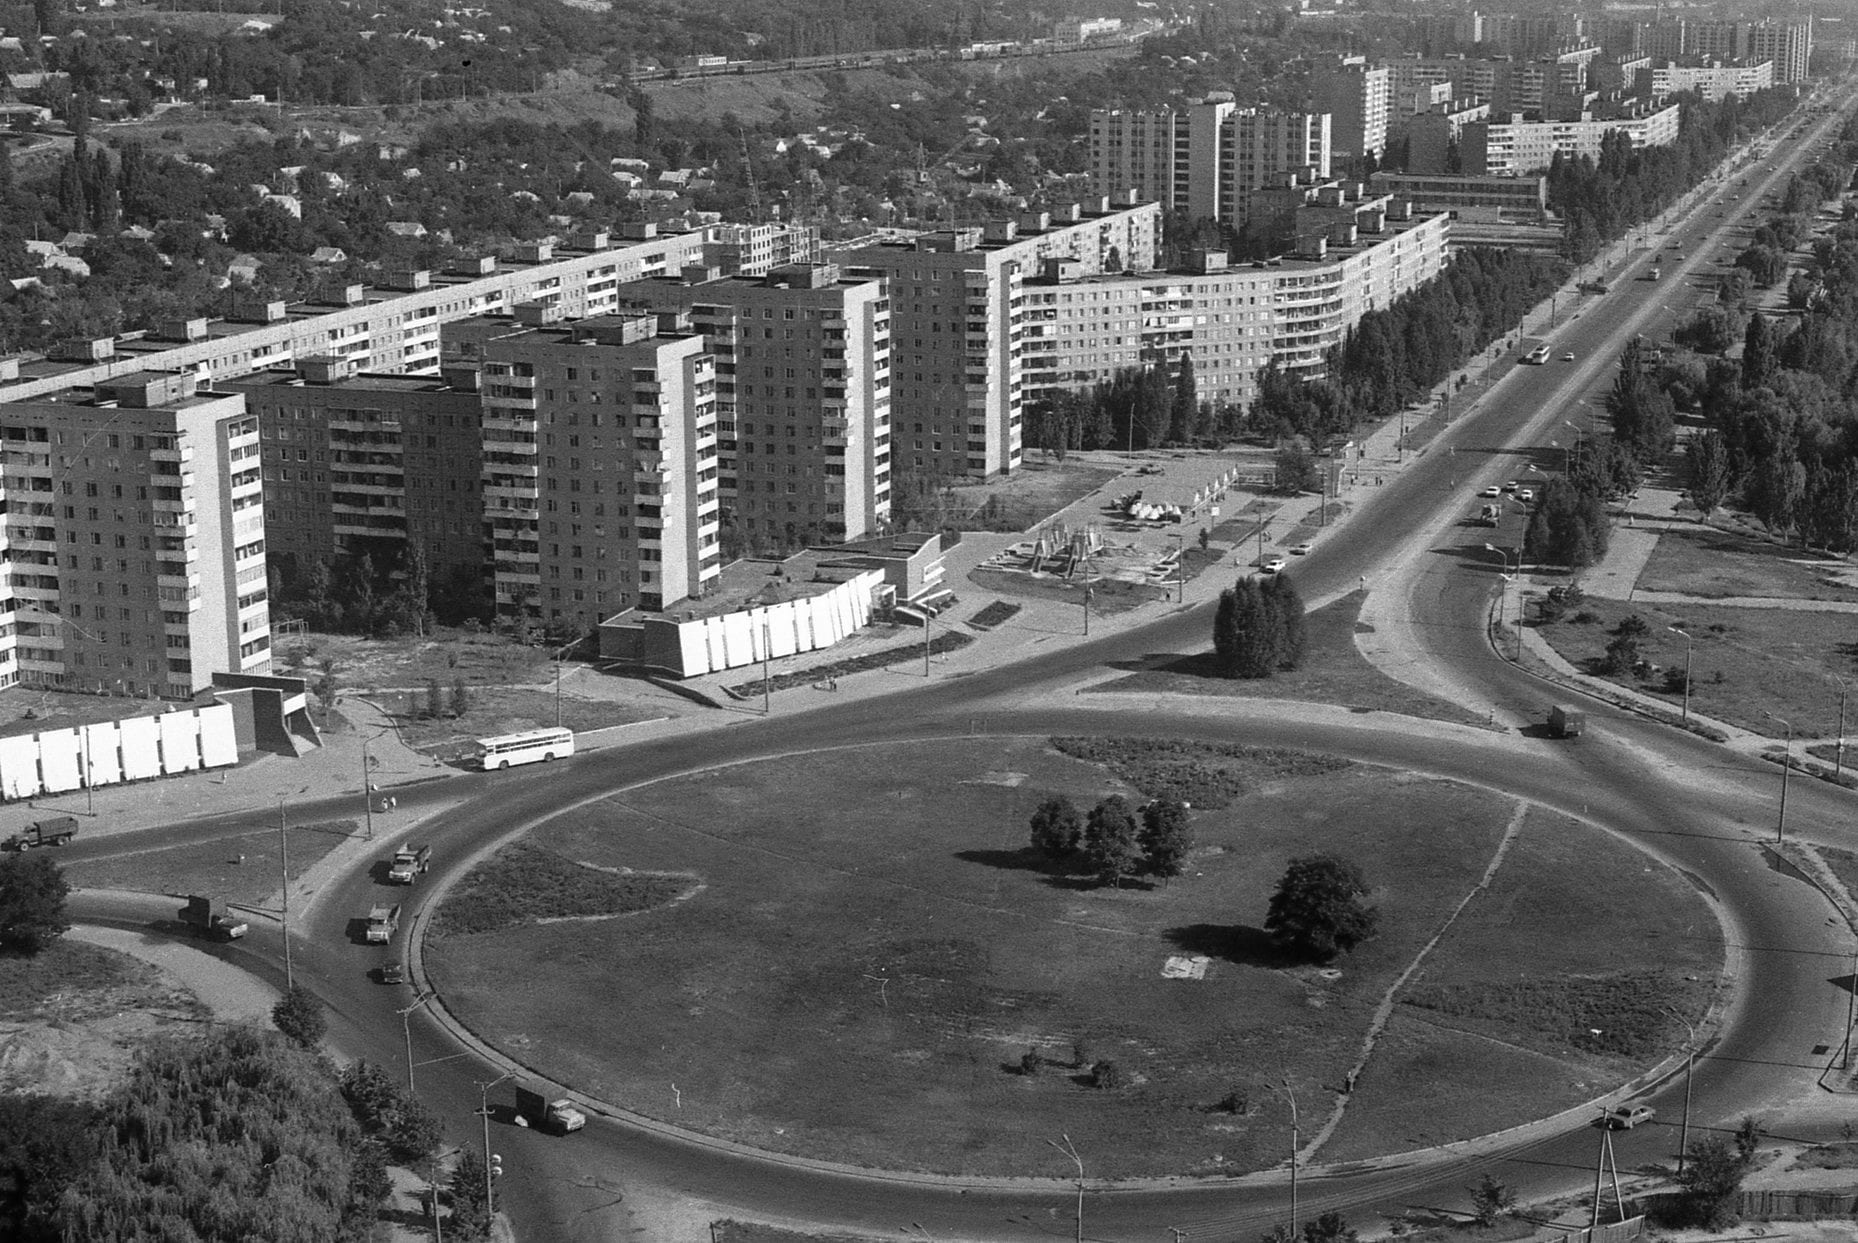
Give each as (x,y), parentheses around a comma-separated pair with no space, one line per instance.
(875,950)
(1333,672)
(73,1017)
(476,658)
(1716,563)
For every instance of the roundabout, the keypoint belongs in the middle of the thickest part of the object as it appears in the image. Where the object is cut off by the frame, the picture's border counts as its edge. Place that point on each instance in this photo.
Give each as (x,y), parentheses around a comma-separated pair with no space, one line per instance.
(856,949)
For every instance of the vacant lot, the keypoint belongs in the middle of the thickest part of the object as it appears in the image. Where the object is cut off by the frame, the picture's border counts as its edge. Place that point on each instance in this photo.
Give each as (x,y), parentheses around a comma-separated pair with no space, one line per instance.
(242,868)
(1718,563)
(1028,497)
(873,951)
(1333,672)
(1744,661)
(493,712)
(448,655)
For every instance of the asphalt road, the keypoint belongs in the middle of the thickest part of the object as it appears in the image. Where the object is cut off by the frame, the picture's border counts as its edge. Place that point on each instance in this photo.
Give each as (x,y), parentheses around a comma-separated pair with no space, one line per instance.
(1681,799)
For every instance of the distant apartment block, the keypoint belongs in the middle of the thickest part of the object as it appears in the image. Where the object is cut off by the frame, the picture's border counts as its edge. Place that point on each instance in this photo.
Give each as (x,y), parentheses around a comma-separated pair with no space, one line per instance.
(135,541)
(1712,81)
(1354,255)
(1357,96)
(1205,157)
(1789,45)
(958,316)
(1517,146)
(1487,197)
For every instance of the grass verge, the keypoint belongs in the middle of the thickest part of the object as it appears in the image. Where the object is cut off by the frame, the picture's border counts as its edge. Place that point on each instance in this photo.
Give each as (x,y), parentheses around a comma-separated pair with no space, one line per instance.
(995,614)
(241,867)
(1333,672)
(946,641)
(1708,561)
(874,948)
(1744,662)
(524,884)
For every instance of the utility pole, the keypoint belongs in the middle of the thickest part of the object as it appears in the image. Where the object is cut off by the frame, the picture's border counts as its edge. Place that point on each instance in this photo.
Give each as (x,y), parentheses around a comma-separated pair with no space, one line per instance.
(1180,566)
(406,1025)
(767,701)
(1780,829)
(367,787)
(483,1097)
(1851,1012)
(1687,648)
(283,858)
(1838,754)
(1295,1140)
(928,621)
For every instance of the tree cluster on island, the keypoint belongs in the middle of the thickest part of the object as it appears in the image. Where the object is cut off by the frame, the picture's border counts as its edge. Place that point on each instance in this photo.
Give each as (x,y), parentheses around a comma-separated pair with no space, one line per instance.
(1259,627)
(1115,841)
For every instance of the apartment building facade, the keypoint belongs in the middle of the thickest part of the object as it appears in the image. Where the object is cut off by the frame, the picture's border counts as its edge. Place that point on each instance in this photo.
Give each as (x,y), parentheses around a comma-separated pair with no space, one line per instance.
(1516,146)
(135,539)
(958,308)
(1358,98)
(357,463)
(1206,157)
(600,476)
(1358,255)
(803,396)
(1712,81)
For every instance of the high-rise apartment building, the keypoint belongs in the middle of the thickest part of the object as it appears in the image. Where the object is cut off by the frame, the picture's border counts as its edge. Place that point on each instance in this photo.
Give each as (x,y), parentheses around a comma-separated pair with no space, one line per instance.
(135,542)
(1516,145)
(1711,81)
(369,464)
(958,311)
(1788,44)
(803,381)
(600,488)
(1355,255)
(1206,157)
(1357,97)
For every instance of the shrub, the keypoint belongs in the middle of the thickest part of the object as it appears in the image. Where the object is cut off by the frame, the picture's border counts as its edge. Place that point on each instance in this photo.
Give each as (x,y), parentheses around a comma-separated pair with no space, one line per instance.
(1106,1076)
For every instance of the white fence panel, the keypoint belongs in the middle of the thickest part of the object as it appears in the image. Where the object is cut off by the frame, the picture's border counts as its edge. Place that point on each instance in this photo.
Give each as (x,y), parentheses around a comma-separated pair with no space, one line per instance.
(104,757)
(59,752)
(219,741)
(180,742)
(141,745)
(19,767)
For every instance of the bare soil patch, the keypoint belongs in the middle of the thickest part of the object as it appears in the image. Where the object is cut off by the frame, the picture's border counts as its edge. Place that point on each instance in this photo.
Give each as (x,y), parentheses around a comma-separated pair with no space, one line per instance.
(1333,672)
(874,950)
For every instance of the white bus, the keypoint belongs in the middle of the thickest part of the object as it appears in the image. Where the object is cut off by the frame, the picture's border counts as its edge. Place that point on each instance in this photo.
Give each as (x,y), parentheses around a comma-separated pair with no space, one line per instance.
(527,747)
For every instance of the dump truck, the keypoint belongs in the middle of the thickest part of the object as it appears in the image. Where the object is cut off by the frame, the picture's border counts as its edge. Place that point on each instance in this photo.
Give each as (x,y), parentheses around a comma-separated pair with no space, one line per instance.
(383,922)
(212,919)
(560,1116)
(1488,516)
(410,863)
(1565,722)
(54,832)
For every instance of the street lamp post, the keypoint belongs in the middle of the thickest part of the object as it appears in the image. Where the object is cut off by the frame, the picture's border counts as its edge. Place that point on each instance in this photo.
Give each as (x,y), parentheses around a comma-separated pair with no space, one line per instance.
(1780,829)
(1180,566)
(1838,745)
(483,1099)
(1690,1071)
(1290,1095)
(1687,647)
(406,1027)
(1070,1150)
(283,866)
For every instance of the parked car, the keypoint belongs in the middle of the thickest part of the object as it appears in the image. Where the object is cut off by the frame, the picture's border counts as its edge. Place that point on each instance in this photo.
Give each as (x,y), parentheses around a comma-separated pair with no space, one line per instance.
(1492,490)
(1625,1117)
(1510,485)
(1525,495)
(1271,565)
(1301,550)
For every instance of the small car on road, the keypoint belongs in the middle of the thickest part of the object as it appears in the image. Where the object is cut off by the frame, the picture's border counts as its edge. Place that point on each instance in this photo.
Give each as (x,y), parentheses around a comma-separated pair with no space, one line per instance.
(1625,1117)
(1271,565)
(1492,490)
(393,973)
(1301,550)
(1568,356)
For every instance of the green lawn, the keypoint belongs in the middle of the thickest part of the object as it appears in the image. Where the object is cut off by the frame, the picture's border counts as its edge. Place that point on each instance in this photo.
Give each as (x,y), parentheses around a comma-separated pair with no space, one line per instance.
(1333,672)
(873,950)
(243,867)
(1716,563)
(1744,662)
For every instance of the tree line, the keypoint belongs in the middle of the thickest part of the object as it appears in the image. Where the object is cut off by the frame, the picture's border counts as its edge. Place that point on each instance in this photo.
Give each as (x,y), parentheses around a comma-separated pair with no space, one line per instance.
(1394,355)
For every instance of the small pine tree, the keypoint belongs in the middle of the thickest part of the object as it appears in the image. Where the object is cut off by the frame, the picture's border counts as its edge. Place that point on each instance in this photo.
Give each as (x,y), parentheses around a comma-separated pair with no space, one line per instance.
(300,1016)
(433,700)
(461,698)
(1106,1076)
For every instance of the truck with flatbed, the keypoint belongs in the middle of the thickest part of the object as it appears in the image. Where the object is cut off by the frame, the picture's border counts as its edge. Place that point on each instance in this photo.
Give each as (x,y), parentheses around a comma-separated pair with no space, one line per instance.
(211,918)
(409,864)
(53,832)
(383,922)
(535,1110)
